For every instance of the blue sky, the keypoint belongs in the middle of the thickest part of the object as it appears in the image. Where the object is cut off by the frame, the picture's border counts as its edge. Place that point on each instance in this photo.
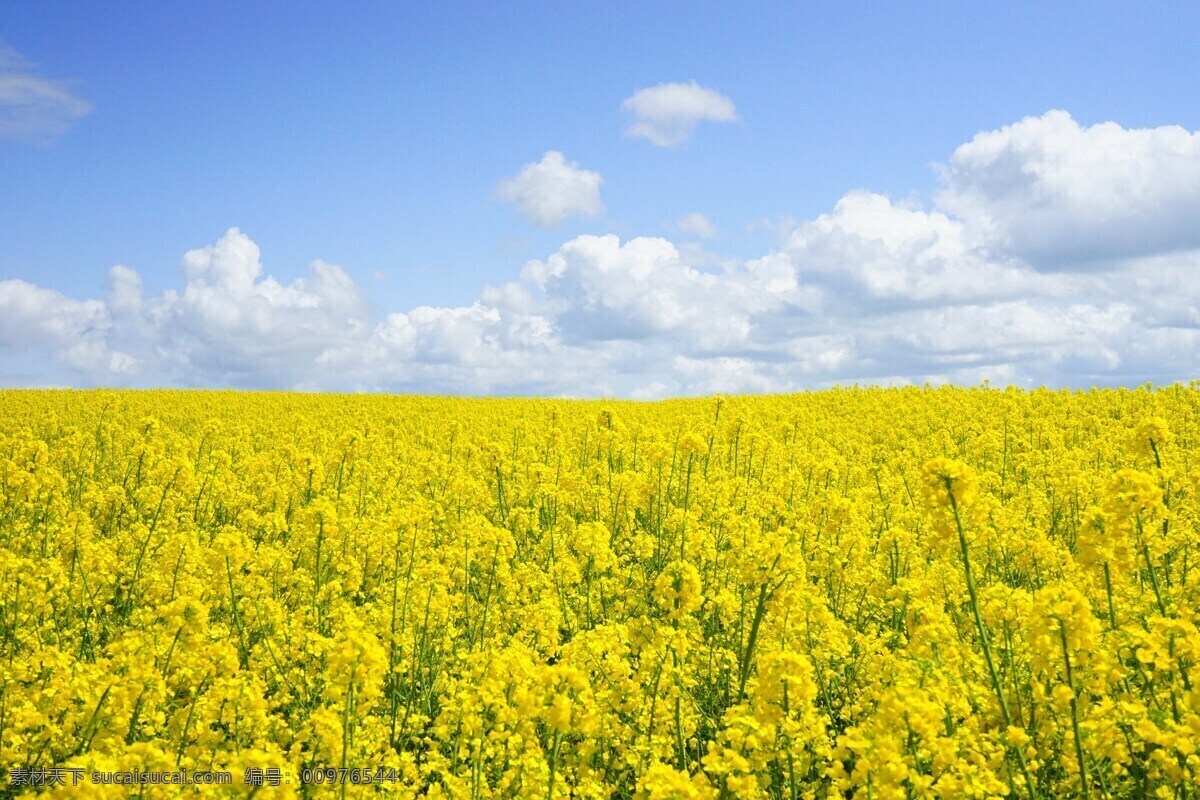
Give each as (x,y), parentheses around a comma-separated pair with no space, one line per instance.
(380,138)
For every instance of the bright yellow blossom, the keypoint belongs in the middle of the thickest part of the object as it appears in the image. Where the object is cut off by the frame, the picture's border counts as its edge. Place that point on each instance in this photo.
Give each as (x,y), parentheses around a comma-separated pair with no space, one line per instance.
(854,593)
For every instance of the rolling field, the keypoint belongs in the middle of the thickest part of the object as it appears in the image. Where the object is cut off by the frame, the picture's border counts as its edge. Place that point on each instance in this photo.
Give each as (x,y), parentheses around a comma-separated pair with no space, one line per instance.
(866,593)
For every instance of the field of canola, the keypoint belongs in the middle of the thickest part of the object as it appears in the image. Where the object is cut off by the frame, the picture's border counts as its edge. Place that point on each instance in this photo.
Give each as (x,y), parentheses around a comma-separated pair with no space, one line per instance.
(854,593)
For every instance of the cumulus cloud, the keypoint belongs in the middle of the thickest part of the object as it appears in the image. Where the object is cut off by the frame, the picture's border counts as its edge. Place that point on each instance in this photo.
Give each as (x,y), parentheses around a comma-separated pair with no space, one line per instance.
(233,326)
(75,332)
(32,106)
(668,113)
(1060,195)
(870,250)
(548,191)
(875,290)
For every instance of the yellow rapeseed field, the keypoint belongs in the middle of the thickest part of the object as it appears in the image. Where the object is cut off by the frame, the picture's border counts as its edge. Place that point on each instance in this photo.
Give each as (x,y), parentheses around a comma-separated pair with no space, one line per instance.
(870,593)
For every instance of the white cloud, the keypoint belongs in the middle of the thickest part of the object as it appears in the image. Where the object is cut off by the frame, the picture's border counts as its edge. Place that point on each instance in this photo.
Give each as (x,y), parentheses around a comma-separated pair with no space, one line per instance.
(32,106)
(1060,195)
(871,250)
(597,289)
(1024,331)
(74,332)
(697,225)
(548,191)
(231,325)
(875,290)
(124,290)
(667,114)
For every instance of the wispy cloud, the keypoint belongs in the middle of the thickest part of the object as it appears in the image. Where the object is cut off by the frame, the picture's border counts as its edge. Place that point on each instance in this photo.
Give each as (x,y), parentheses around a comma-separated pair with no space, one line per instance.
(32,106)
(698,225)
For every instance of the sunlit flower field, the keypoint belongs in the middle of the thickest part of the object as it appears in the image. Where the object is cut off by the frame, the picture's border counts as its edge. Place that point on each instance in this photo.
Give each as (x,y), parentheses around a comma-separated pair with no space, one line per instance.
(868,593)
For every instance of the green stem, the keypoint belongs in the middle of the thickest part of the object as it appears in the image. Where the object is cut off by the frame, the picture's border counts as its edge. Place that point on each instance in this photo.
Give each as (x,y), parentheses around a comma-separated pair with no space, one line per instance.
(1083,779)
(553,766)
(983,638)
(1112,614)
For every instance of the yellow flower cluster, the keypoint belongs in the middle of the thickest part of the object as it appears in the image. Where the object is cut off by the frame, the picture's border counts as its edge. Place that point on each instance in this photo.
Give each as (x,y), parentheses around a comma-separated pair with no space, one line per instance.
(867,593)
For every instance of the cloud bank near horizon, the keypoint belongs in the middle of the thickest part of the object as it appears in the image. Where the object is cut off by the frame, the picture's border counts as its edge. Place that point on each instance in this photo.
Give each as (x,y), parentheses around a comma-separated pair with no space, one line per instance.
(1053,254)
